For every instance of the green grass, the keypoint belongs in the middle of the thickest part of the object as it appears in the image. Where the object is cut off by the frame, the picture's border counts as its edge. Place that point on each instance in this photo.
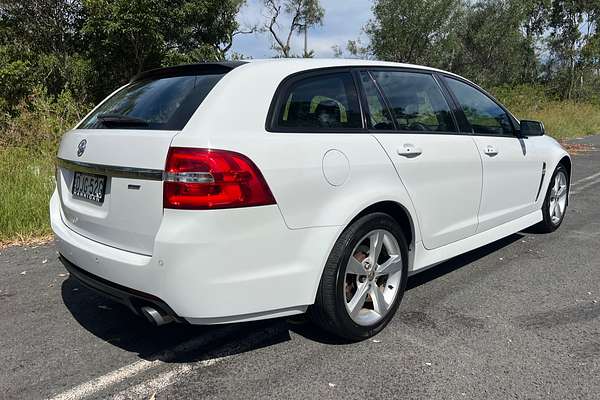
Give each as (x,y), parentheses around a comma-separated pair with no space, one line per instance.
(566,119)
(563,119)
(26,183)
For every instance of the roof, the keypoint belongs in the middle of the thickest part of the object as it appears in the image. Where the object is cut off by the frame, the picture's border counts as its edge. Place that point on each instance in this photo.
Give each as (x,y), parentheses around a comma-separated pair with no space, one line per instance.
(310,63)
(297,64)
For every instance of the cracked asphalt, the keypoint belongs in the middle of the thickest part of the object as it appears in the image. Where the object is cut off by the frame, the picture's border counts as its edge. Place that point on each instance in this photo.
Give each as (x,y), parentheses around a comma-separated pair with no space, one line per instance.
(517,319)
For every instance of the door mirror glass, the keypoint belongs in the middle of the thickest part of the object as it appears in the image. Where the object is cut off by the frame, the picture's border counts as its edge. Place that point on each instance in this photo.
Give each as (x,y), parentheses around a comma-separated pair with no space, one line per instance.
(532,128)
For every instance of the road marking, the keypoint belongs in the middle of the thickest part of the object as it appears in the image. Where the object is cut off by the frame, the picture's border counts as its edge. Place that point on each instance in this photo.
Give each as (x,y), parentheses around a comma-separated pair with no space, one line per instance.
(100,383)
(112,378)
(587,185)
(589,178)
(146,389)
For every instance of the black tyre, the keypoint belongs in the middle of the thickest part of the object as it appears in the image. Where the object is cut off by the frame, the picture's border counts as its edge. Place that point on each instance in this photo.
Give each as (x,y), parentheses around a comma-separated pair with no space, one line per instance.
(556,201)
(364,279)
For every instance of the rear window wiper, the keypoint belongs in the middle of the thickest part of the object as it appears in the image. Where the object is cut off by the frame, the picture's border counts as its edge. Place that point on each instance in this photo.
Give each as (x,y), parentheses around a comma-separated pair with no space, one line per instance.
(115,120)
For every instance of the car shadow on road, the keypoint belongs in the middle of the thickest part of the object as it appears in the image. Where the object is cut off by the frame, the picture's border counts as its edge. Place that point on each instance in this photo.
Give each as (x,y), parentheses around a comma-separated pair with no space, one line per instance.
(460,261)
(174,343)
(117,325)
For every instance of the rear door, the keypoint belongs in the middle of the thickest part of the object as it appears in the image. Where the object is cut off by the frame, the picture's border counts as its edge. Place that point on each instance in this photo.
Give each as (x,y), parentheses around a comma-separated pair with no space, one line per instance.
(440,168)
(512,168)
(109,175)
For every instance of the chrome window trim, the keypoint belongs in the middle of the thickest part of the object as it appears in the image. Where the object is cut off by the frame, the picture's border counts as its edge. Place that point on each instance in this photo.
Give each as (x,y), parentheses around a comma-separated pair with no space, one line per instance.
(111,170)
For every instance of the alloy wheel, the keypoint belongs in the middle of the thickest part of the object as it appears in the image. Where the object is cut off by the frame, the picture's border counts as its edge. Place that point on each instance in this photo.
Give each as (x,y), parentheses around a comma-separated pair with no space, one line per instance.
(372,278)
(558,197)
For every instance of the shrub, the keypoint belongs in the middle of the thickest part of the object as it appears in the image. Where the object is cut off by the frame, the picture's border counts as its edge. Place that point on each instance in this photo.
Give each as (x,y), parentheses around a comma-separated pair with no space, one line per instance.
(41,121)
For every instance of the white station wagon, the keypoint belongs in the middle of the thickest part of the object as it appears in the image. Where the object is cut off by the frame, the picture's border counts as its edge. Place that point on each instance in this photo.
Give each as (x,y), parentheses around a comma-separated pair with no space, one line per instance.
(237,191)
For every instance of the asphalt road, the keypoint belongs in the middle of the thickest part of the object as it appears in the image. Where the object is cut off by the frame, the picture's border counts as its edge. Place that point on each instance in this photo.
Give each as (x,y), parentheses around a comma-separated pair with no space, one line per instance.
(516,319)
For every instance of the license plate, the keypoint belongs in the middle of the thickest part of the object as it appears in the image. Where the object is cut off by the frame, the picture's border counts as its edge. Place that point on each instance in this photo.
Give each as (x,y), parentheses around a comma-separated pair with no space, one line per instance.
(89,187)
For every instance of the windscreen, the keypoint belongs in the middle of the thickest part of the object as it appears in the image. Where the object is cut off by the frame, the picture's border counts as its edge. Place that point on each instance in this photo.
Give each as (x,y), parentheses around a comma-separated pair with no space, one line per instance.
(164,103)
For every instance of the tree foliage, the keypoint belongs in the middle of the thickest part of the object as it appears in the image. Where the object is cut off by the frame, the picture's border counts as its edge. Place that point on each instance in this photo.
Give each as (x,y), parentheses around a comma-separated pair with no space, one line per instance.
(555,43)
(90,47)
(413,31)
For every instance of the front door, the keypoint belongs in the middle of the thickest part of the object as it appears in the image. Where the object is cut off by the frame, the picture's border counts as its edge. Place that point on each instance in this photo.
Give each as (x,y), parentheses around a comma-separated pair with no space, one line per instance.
(512,170)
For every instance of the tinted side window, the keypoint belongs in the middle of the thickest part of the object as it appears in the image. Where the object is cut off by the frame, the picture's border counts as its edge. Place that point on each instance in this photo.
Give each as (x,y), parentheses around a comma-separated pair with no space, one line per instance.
(324,102)
(379,115)
(416,100)
(484,115)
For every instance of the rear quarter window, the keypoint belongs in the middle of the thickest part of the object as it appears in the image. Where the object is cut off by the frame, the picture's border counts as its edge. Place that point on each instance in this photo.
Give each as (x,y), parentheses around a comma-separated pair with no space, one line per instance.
(165,103)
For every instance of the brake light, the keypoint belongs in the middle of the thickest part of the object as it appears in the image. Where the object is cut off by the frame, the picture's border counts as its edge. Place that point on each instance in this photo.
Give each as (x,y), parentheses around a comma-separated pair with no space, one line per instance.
(200,179)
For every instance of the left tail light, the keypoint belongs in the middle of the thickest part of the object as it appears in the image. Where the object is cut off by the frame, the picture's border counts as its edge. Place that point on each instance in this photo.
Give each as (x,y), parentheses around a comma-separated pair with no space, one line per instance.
(203,179)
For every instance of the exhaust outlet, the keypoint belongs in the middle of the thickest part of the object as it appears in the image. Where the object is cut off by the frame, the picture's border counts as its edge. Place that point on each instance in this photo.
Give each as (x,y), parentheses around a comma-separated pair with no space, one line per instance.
(155,317)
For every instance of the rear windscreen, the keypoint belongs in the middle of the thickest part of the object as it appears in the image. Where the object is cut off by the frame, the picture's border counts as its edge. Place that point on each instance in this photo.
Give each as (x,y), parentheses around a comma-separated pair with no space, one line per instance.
(165,103)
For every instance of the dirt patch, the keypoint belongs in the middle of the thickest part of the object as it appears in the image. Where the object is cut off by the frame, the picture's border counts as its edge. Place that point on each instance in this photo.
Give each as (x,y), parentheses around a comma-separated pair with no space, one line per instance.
(26,241)
(577,148)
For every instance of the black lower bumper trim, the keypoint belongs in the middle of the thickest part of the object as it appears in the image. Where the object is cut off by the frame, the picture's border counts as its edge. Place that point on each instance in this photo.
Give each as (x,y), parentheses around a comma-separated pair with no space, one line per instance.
(134,299)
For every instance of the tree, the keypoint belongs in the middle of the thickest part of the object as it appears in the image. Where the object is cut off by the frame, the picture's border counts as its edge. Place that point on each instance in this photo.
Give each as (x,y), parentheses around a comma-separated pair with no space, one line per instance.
(494,53)
(126,37)
(414,31)
(304,14)
(573,45)
(47,26)
(534,15)
(483,40)
(41,44)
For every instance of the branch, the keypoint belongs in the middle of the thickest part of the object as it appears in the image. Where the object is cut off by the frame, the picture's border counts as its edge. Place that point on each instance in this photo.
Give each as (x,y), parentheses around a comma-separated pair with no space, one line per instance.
(294,24)
(275,10)
(229,42)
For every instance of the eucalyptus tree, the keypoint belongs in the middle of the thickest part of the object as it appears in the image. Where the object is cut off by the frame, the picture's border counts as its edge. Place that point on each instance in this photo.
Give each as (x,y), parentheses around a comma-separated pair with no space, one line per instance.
(303,15)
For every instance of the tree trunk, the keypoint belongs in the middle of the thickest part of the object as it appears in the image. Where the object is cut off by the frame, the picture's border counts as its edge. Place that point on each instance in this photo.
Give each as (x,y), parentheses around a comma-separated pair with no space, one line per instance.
(306,42)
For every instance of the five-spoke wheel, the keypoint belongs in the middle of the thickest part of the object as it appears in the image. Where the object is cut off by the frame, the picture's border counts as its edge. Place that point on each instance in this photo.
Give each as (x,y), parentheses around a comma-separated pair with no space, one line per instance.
(555,202)
(372,277)
(558,197)
(364,278)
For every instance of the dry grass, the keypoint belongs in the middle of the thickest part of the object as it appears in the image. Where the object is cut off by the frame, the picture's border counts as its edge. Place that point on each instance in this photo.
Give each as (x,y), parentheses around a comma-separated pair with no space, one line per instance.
(26,241)
(562,119)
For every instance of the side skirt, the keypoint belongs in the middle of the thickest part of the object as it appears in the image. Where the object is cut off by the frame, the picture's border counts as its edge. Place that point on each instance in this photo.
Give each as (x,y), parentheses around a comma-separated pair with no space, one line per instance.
(428,258)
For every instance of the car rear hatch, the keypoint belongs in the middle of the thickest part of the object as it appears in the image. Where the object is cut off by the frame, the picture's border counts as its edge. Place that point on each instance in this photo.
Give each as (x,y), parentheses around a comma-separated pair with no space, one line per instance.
(110,169)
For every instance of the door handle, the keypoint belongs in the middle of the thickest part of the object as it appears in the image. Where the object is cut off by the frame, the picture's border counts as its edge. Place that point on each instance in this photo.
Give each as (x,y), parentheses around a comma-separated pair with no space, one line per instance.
(490,150)
(409,150)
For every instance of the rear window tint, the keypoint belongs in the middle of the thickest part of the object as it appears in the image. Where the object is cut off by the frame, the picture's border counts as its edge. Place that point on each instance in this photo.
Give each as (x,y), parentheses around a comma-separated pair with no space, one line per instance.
(321,103)
(165,103)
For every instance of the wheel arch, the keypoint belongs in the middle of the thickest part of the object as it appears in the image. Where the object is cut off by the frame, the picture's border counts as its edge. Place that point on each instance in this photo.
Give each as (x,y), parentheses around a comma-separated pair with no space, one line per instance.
(399,212)
(566,161)
(395,210)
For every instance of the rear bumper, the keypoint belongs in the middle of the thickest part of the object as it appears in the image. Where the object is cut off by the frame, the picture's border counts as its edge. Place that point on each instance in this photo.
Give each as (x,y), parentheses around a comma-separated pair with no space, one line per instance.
(207,267)
(131,298)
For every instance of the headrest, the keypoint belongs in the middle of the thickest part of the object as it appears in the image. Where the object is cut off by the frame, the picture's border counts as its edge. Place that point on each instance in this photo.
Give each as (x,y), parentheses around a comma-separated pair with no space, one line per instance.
(328,114)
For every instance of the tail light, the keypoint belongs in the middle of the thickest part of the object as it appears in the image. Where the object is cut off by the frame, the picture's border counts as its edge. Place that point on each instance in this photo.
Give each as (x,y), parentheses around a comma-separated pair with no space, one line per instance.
(200,179)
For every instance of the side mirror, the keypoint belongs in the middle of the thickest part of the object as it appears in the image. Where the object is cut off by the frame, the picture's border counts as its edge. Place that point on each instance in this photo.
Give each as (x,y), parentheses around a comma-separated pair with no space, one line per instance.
(532,128)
